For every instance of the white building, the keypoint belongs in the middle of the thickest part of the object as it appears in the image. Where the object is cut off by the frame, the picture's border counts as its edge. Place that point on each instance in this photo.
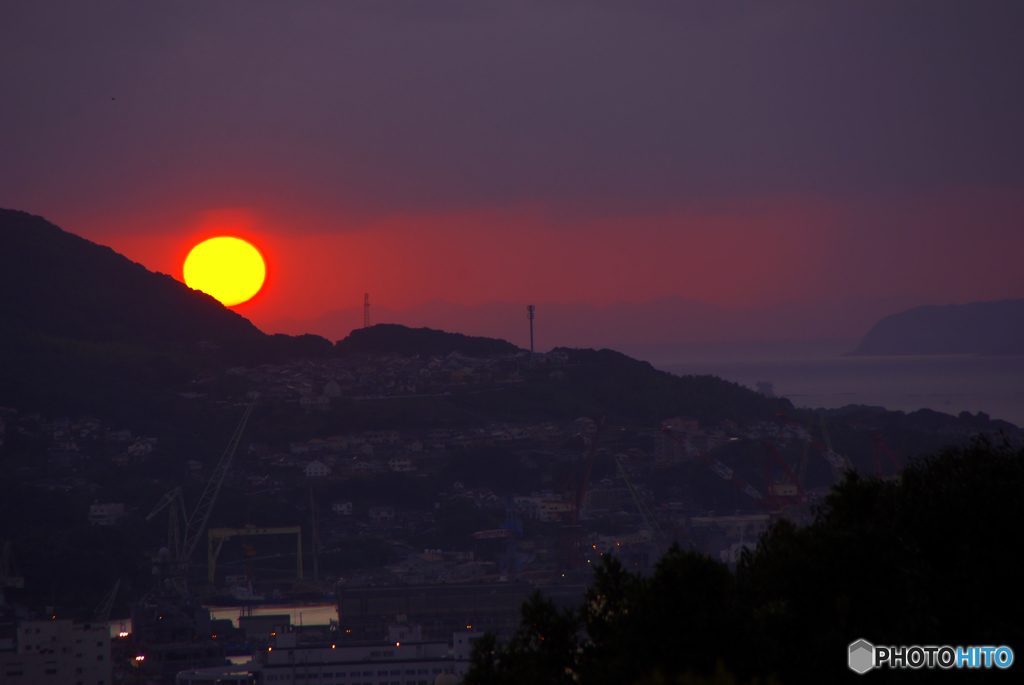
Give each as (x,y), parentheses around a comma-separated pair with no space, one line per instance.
(58,652)
(317,469)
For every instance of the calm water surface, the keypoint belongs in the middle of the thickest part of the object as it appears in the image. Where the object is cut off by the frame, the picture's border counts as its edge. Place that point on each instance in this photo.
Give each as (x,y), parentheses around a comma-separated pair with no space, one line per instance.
(818,375)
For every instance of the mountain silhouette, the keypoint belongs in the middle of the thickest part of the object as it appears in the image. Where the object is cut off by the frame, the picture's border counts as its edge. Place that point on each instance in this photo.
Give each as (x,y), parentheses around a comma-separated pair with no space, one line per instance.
(83,328)
(975,328)
(57,283)
(390,338)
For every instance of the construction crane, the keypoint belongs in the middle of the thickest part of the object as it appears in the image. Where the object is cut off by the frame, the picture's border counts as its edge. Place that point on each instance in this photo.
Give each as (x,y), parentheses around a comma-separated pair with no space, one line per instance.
(201,515)
(102,613)
(175,521)
(718,467)
(181,547)
(570,548)
(509,531)
(781,494)
(217,536)
(650,522)
(839,463)
(880,449)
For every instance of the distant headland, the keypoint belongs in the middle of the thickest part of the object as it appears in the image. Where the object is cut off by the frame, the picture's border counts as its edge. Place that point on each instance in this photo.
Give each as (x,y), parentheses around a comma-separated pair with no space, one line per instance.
(975,328)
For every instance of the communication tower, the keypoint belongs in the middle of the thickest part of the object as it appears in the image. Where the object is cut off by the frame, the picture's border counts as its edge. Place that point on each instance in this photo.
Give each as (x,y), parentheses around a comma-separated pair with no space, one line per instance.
(529,315)
(366,310)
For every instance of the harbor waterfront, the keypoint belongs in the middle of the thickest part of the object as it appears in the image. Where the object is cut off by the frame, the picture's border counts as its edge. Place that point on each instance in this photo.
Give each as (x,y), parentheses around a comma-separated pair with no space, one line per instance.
(822,375)
(301,614)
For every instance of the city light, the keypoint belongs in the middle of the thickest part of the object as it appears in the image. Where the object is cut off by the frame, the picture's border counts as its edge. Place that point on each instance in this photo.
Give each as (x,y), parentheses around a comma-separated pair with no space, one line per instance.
(140,658)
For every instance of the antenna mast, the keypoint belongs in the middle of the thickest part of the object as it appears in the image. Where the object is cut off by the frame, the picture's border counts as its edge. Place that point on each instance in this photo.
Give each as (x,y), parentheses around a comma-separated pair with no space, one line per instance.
(366,310)
(529,315)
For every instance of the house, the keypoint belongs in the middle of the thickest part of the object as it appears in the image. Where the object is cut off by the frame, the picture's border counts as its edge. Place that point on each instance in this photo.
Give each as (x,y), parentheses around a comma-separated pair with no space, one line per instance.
(385,437)
(332,388)
(342,508)
(382,514)
(401,465)
(317,469)
(140,448)
(105,514)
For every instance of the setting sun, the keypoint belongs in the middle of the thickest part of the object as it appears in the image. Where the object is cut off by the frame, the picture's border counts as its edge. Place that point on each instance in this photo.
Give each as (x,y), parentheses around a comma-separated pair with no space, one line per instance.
(228,269)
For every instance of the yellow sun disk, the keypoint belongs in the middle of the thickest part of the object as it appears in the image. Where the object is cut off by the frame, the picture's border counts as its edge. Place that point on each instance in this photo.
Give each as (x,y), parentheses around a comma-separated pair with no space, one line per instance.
(229,269)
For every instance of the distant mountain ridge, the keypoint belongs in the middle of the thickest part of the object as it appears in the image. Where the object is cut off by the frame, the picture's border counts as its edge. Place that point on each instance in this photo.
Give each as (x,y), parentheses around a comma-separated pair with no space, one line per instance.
(389,338)
(579,324)
(975,328)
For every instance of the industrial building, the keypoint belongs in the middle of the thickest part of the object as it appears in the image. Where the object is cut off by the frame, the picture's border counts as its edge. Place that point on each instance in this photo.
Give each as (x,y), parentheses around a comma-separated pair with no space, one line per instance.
(57,652)
(404,659)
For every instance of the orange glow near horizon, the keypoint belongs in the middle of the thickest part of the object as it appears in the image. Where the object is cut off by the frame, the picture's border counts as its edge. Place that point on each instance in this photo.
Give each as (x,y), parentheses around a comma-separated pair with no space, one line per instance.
(737,255)
(227,268)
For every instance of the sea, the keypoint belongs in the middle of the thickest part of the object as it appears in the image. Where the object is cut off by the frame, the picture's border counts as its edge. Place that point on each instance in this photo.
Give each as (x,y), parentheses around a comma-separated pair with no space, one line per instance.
(821,374)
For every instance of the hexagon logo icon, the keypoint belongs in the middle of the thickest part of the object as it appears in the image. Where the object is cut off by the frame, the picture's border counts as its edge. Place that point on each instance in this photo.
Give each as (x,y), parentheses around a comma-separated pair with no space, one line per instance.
(861,656)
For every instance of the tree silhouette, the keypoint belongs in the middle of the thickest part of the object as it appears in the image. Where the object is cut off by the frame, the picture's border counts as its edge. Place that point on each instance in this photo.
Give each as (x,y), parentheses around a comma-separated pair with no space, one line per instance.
(929,559)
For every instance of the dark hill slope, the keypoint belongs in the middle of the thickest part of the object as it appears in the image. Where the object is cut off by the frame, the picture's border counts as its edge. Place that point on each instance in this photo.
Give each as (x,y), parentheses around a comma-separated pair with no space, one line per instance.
(975,328)
(59,284)
(634,388)
(84,329)
(627,391)
(388,338)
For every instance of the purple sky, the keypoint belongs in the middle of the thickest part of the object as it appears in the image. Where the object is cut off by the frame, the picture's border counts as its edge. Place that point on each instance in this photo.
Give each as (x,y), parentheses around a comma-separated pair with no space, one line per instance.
(744,154)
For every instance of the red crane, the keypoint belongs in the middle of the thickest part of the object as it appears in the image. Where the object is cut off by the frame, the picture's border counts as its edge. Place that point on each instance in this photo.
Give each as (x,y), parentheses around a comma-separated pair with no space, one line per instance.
(778,496)
(837,461)
(880,449)
(570,547)
(718,467)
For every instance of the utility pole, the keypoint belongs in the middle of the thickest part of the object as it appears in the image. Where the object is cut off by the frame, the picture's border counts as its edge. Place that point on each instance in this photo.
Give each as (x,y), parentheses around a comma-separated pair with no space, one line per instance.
(366,310)
(529,315)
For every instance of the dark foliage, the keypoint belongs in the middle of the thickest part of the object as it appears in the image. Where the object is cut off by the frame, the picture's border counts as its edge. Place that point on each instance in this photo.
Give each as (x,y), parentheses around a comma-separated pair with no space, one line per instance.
(544,651)
(929,560)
